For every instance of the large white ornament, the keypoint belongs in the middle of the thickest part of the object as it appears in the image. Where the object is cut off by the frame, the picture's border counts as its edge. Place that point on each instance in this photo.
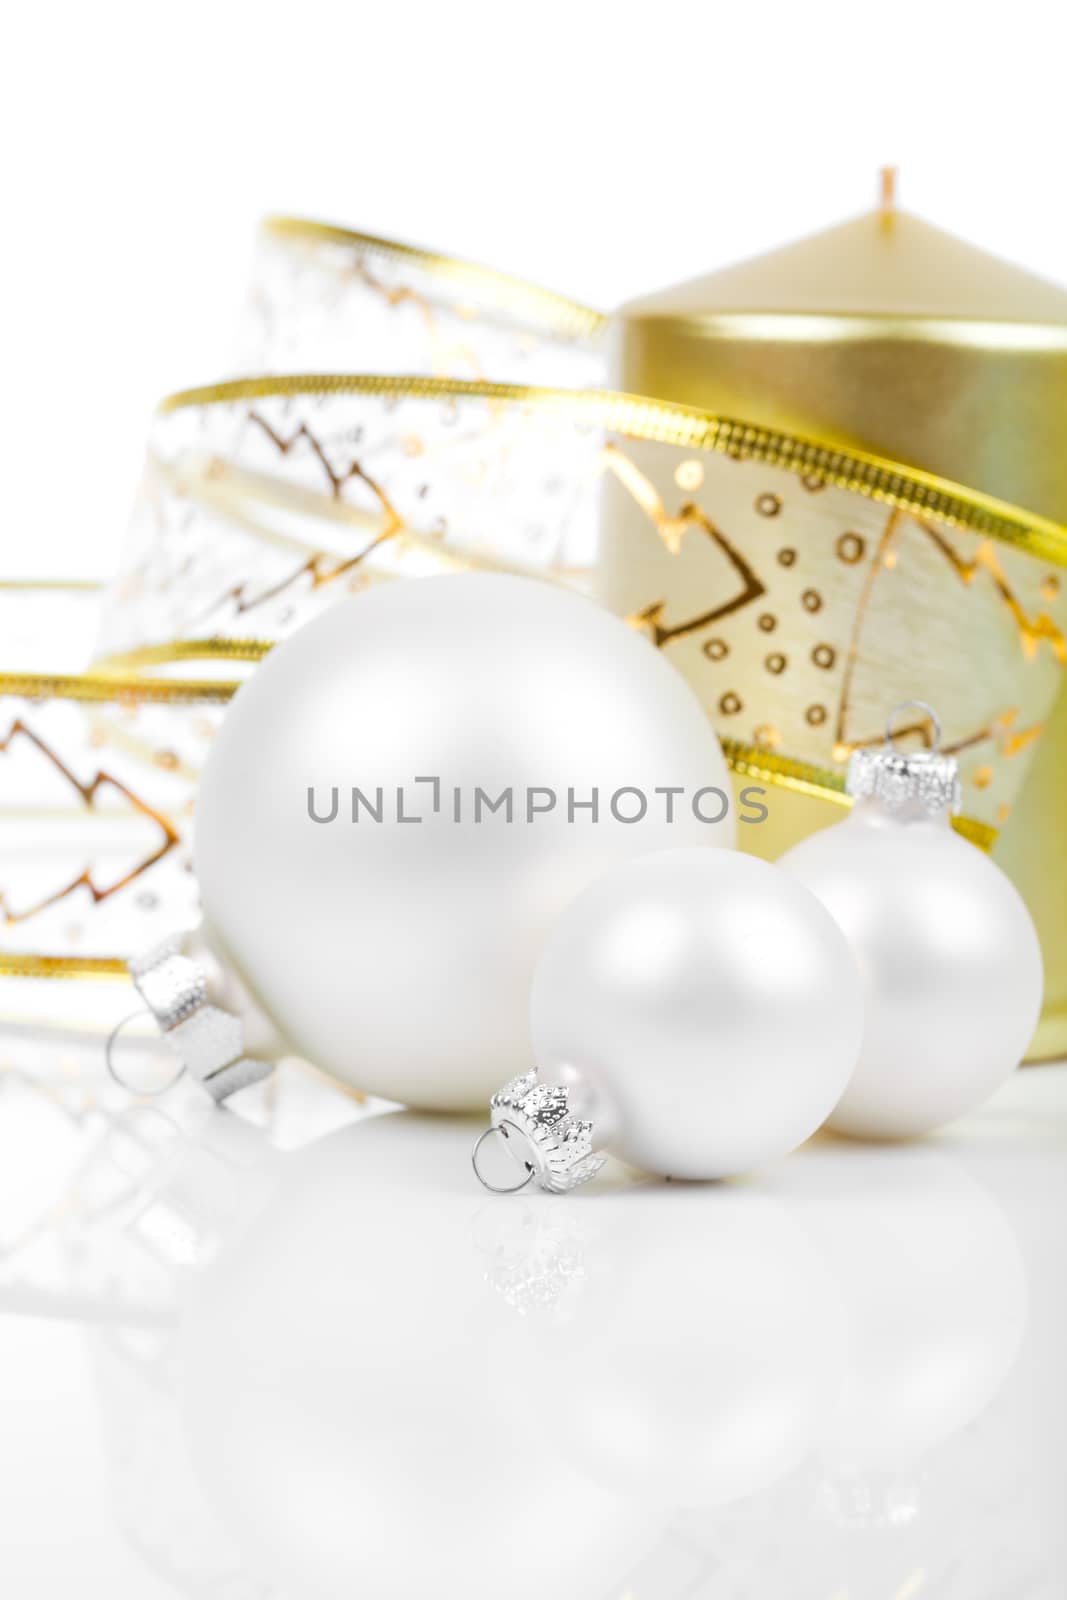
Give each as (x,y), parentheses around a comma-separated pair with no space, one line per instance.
(702,1010)
(948,953)
(397,954)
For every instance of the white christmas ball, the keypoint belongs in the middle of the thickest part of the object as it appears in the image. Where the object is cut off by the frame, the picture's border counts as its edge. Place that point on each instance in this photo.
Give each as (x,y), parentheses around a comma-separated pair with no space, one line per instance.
(950,962)
(703,1009)
(398,955)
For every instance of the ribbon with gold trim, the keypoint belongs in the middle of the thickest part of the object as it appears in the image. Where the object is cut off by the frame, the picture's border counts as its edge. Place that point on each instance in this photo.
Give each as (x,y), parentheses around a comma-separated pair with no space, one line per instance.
(734,547)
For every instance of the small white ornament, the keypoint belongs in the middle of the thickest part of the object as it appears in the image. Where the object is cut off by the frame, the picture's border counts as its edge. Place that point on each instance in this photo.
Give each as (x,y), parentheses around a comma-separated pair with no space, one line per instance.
(701,1010)
(392,937)
(948,953)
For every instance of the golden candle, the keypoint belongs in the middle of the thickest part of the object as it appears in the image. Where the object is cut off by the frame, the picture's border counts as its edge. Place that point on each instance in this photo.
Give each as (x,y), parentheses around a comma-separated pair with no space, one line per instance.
(883,336)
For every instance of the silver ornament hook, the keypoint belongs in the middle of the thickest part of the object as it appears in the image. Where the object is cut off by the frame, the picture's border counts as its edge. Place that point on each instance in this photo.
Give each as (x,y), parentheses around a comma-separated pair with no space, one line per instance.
(559,1145)
(109,1060)
(909,705)
(207,1037)
(923,782)
(496,1188)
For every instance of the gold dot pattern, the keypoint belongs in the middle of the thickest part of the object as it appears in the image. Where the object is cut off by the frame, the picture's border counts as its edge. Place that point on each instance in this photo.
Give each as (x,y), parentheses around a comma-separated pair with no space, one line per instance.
(735,584)
(790,690)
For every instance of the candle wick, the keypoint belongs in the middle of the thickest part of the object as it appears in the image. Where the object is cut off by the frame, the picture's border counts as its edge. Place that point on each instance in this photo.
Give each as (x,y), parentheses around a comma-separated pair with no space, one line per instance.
(887,201)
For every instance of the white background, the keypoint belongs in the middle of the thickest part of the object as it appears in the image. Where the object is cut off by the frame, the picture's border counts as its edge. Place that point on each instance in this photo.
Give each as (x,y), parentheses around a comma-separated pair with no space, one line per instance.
(602,149)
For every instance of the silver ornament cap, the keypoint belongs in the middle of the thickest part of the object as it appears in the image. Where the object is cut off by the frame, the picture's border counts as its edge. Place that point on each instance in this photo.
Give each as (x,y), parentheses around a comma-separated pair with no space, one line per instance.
(206,1037)
(911,782)
(535,1122)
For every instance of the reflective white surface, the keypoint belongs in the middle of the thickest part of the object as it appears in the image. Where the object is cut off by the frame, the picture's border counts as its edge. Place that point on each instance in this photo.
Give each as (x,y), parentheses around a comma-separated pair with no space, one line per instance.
(291,1350)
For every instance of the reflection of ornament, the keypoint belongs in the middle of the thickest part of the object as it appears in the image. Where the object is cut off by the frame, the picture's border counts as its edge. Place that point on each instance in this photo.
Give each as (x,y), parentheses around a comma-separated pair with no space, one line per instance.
(949,957)
(407,794)
(704,1015)
(317,1467)
(936,1300)
(686,1382)
(868,1500)
(536,1262)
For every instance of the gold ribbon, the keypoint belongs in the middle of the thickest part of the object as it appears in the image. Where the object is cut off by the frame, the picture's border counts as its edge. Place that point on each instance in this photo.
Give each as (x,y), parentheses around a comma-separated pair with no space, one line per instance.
(662,422)
(127,677)
(528,303)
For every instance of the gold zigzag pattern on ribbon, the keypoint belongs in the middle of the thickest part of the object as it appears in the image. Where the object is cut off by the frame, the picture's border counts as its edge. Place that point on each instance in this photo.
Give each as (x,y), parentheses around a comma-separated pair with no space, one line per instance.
(1032,632)
(302,434)
(319,567)
(447,353)
(664,422)
(672,528)
(526,301)
(88,793)
(107,684)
